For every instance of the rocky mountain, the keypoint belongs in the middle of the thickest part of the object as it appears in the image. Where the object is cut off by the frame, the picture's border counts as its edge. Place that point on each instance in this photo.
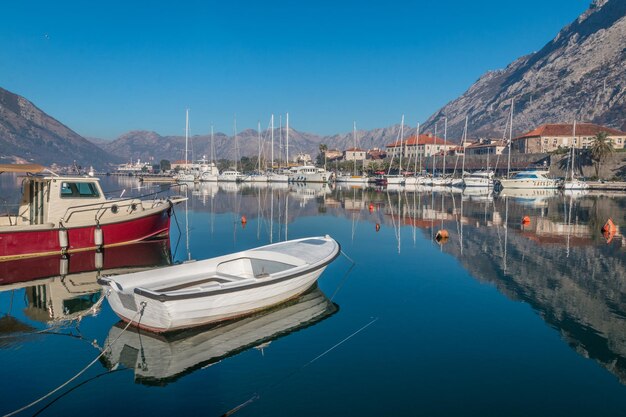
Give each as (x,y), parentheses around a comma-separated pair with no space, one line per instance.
(28,134)
(147,145)
(580,74)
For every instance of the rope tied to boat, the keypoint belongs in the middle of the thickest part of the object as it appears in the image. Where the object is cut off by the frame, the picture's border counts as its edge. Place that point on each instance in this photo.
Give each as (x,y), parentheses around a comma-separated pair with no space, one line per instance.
(82,371)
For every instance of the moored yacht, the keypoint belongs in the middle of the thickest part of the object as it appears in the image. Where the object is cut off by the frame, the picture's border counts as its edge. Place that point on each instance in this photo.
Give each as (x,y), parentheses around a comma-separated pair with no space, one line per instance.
(478,179)
(308,173)
(230,176)
(529,179)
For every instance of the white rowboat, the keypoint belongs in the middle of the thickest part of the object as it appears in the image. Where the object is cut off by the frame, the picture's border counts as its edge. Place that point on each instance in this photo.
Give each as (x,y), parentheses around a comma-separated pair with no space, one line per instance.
(222,288)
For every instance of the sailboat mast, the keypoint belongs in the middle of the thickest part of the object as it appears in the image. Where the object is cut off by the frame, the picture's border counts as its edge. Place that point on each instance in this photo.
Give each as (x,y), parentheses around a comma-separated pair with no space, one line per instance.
(417,147)
(354,139)
(445,143)
(401,140)
(258,129)
(287,143)
(573,150)
(464,141)
(433,155)
(186,138)
(280,140)
(508,168)
(236,145)
(212,146)
(272,134)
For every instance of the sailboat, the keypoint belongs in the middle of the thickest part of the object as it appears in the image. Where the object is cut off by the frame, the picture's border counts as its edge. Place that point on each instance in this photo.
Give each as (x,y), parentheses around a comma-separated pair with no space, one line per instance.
(232,175)
(258,176)
(482,179)
(574,183)
(274,176)
(210,173)
(187,175)
(398,179)
(354,178)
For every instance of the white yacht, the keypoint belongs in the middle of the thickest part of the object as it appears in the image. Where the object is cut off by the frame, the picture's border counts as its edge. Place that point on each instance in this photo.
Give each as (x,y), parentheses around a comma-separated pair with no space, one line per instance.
(308,173)
(230,176)
(529,179)
(478,179)
(277,177)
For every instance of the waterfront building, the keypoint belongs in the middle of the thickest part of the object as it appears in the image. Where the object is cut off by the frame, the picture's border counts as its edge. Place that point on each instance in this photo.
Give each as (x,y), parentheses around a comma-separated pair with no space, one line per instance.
(549,137)
(354,154)
(427,145)
(485,147)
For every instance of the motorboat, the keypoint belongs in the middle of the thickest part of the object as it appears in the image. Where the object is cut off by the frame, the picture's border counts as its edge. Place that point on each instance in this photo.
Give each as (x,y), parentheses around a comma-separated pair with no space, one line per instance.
(230,176)
(160,359)
(66,214)
(257,177)
(479,179)
(529,180)
(277,177)
(308,173)
(64,287)
(352,179)
(222,288)
(575,184)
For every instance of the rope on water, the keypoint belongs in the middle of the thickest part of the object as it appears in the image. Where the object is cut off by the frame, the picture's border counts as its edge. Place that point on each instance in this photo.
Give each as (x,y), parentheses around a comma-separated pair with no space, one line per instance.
(345,277)
(257,395)
(140,313)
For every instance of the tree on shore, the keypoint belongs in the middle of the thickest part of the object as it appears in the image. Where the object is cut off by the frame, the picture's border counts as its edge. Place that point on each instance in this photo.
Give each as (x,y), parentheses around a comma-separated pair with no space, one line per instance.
(323,149)
(600,150)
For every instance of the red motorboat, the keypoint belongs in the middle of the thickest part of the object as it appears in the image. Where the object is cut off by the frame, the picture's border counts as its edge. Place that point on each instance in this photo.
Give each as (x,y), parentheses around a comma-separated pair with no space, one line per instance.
(59,214)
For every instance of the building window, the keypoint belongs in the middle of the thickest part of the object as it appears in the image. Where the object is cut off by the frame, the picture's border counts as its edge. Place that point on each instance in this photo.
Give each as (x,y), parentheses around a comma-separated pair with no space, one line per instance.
(575,141)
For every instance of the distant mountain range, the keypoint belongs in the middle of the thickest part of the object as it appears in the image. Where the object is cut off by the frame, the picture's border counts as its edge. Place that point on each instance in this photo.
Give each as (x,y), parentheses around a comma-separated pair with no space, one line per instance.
(27,134)
(579,75)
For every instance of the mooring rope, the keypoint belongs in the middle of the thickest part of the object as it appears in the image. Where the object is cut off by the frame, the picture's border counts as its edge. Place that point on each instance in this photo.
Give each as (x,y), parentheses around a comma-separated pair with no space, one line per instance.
(257,395)
(140,313)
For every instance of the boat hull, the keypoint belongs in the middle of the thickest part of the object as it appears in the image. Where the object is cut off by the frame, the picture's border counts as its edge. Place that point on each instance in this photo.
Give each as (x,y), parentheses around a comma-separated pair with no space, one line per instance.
(174,315)
(41,240)
(223,288)
(529,184)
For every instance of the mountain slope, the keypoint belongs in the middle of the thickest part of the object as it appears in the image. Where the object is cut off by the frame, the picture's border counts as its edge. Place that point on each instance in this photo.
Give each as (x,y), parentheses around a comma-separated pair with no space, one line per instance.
(579,75)
(29,134)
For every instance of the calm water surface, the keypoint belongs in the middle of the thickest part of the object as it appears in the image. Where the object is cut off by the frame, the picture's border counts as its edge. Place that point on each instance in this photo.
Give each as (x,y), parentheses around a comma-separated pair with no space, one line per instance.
(500,319)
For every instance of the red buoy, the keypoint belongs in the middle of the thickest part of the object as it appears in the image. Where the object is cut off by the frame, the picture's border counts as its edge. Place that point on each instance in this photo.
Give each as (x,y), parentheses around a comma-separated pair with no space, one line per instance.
(526,220)
(377,227)
(371,207)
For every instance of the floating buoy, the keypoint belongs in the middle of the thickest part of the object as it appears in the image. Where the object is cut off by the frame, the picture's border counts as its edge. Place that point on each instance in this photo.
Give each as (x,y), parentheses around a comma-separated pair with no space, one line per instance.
(526,220)
(442,236)
(377,227)
(244,220)
(371,207)
(609,230)
(609,226)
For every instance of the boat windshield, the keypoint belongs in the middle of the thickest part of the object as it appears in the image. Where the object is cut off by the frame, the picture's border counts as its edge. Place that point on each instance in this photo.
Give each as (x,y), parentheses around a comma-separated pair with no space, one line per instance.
(523,175)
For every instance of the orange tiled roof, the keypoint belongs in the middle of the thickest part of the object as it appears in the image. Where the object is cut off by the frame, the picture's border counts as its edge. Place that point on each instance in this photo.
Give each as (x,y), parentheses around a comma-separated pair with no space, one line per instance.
(354,150)
(425,139)
(567,129)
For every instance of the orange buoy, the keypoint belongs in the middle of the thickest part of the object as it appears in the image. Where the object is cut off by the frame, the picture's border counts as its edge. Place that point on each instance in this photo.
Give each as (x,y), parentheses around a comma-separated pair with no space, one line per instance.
(609,226)
(442,236)
(377,227)
(244,220)
(371,207)
(526,220)
(609,230)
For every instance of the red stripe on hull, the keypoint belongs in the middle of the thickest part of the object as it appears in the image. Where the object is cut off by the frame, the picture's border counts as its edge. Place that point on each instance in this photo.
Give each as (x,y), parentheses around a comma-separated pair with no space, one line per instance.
(46,242)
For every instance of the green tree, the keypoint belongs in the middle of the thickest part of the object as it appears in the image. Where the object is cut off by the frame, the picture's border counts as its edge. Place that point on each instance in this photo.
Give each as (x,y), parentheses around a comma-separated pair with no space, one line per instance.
(323,149)
(165,165)
(600,150)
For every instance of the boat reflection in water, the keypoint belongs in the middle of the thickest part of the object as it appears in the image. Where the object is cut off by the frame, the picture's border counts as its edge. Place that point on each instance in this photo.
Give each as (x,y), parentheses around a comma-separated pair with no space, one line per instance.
(160,359)
(59,288)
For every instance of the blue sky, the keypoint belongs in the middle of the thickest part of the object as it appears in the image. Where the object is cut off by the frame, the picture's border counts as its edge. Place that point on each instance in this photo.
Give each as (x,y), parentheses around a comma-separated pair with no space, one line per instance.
(105,68)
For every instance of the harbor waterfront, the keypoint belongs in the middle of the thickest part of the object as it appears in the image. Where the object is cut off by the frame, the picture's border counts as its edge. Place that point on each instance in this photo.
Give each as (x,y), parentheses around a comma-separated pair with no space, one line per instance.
(517,309)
